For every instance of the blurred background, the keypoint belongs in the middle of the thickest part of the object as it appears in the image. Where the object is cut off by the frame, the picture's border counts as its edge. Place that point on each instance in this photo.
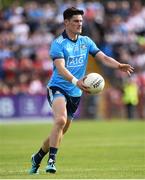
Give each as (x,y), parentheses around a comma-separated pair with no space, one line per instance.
(27,29)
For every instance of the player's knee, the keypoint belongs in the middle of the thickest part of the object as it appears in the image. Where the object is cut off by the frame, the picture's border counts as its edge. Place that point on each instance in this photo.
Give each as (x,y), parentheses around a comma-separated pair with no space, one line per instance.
(61,121)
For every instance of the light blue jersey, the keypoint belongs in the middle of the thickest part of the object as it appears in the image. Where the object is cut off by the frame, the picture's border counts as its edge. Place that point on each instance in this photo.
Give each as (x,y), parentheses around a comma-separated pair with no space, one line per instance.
(75,54)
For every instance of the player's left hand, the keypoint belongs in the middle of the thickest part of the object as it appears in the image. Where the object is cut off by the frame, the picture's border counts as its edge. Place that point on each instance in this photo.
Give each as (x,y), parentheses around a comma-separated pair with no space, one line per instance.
(126,68)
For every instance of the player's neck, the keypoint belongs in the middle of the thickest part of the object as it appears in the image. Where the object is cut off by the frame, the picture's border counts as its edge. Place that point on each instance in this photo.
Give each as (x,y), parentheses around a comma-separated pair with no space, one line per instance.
(71,35)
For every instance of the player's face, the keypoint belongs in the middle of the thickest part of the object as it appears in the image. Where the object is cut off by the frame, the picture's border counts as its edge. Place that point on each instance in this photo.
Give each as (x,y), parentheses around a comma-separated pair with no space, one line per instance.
(74,25)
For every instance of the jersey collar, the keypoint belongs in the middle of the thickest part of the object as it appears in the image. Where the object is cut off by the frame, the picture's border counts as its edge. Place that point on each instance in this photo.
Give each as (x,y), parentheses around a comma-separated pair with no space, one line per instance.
(66,36)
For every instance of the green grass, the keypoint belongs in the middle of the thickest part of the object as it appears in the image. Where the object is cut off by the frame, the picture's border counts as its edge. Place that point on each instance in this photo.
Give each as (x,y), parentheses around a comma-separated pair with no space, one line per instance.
(90,150)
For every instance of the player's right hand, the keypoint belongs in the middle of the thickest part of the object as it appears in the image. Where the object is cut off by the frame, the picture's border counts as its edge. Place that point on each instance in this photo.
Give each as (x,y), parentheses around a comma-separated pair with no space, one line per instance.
(82,85)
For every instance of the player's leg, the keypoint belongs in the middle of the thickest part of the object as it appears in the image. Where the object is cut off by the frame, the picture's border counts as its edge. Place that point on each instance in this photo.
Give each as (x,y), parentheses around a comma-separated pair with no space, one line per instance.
(45,145)
(60,120)
(44,149)
(70,108)
(58,103)
(72,104)
(51,168)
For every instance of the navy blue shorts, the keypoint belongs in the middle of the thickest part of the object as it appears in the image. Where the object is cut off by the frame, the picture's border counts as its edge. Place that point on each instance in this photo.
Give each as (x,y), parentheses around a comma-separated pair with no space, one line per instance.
(72,103)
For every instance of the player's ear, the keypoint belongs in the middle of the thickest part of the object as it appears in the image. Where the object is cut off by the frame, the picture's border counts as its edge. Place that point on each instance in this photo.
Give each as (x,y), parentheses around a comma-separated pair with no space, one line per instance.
(66,21)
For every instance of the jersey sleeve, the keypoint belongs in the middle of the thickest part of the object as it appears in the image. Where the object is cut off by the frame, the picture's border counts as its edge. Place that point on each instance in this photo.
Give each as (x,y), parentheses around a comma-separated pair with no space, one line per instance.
(56,51)
(93,49)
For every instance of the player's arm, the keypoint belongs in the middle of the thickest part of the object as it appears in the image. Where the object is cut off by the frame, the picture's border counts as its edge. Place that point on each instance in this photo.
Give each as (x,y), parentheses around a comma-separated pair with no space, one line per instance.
(111,62)
(63,71)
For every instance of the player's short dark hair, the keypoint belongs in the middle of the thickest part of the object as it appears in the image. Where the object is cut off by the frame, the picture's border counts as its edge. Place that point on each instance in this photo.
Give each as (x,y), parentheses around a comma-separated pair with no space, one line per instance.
(68,13)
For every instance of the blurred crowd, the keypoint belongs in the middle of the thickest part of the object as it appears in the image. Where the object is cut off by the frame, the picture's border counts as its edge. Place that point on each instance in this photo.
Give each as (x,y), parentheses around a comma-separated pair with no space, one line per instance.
(26,32)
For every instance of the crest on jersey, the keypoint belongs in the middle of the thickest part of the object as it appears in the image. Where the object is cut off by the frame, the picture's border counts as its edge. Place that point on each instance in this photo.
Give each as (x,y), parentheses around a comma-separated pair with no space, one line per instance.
(83,46)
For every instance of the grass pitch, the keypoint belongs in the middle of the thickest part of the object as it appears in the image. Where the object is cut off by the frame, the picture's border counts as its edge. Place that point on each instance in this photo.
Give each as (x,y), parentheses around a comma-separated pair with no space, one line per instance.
(90,150)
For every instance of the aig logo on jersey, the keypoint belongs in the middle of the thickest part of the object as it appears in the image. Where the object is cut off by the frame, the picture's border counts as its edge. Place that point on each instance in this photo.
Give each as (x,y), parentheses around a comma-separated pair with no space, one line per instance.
(74,61)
